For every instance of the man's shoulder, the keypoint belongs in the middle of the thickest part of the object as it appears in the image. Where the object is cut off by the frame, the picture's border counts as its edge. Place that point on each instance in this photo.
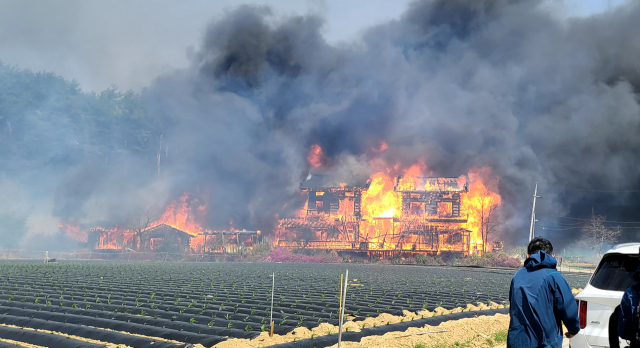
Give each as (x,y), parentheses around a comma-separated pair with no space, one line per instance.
(540,271)
(633,290)
(519,272)
(537,276)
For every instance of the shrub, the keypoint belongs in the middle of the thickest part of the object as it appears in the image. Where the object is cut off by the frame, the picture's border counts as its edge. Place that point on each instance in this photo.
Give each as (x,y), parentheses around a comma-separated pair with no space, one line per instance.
(261,249)
(518,252)
(428,260)
(486,260)
(283,255)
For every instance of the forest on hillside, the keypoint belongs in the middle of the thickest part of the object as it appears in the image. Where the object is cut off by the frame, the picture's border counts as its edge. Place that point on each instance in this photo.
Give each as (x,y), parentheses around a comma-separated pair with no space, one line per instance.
(49,123)
(58,144)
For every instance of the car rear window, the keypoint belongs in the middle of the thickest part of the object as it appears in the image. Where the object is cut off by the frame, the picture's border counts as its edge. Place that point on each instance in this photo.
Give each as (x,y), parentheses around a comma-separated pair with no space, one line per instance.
(615,272)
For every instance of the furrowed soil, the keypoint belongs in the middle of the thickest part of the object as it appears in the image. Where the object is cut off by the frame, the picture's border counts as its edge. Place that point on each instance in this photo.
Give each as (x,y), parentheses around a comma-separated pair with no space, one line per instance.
(105,344)
(21,344)
(229,305)
(479,332)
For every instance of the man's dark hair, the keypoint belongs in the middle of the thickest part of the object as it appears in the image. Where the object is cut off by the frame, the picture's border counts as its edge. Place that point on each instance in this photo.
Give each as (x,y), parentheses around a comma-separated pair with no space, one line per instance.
(539,243)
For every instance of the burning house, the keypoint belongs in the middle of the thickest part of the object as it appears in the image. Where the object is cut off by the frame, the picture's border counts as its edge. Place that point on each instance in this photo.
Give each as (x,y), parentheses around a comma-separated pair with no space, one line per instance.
(229,242)
(431,217)
(159,237)
(422,215)
(177,230)
(164,237)
(331,218)
(395,211)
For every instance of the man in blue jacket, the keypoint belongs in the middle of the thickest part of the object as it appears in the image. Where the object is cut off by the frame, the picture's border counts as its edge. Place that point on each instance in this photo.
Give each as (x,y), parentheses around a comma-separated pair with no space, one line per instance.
(540,301)
(628,308)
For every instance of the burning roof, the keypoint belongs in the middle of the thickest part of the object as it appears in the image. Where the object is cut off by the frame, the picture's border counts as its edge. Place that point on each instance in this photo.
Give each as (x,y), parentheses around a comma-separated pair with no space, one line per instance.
(430,184)
(162,229)
(315,181)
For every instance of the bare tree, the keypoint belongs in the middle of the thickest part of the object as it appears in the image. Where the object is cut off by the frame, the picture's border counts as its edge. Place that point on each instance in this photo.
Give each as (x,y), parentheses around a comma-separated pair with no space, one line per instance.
(141,220)
(489,221)
(597,234)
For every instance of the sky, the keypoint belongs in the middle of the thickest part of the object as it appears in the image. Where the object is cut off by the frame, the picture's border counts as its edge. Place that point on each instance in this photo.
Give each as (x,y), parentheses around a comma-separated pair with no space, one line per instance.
(101,43)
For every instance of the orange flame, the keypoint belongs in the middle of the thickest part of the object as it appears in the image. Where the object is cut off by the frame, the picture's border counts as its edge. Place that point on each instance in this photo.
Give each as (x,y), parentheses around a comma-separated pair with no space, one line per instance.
(179,215)
(73,231)
(409,180)
(481,201)
(380,200)
(113,238)
(384,218)
(381,147)
(316,157)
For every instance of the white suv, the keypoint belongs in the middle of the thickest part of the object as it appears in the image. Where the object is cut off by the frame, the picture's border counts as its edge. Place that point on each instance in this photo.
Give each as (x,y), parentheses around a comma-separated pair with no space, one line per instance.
(599,300)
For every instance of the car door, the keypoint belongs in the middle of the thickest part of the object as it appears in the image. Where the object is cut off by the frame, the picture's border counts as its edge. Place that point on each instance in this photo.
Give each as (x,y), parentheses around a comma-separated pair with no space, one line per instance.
(604,292)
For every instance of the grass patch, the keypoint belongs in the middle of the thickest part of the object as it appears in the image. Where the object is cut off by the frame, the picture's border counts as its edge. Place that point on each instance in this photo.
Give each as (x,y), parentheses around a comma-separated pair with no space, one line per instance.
(500,336)
(465,344)
(497,338)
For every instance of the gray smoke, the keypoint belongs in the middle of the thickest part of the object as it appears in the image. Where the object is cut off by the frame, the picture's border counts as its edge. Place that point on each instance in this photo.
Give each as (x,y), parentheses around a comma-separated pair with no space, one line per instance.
(463,84)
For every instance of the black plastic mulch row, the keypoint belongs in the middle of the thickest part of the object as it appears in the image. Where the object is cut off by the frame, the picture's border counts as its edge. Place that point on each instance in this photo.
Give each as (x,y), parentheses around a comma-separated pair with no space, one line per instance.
(243,308)
(10,345)
(81,331)
(201,322)
(43,339)
(243,315)
(30,310)
(329,340)
(138,329)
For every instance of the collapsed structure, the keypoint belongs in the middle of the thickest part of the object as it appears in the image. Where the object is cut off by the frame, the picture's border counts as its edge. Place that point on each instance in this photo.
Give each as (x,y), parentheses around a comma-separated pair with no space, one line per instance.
(430,220)
(164,237)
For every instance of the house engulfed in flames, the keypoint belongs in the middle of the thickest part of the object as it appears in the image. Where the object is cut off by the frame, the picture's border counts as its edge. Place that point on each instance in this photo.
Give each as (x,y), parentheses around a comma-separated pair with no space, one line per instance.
(425,217)
(164,237)
(177,230)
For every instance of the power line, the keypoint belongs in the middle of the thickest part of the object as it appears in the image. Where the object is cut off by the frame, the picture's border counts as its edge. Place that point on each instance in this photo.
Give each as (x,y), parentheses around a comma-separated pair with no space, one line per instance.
(614,205)
(559,229)
(580,224)
(615,222)
(573,228)
(605,191)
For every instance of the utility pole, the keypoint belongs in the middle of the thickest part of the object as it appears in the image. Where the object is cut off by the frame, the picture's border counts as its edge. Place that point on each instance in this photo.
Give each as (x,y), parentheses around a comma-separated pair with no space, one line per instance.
(533,213)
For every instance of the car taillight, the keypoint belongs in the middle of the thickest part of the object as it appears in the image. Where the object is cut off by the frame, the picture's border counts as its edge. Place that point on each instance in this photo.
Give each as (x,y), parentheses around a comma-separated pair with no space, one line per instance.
(582,313)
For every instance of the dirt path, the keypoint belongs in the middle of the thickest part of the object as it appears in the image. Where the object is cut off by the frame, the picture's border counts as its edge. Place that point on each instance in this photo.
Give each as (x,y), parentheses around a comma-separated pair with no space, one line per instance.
(479,332)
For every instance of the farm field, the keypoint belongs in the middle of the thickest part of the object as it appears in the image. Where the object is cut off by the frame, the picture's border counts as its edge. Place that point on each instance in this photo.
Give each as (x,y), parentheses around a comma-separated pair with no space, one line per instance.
(165,304)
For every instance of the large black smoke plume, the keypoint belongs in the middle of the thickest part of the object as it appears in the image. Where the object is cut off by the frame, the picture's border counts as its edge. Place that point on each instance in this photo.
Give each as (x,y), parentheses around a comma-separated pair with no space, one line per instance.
(464,84)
